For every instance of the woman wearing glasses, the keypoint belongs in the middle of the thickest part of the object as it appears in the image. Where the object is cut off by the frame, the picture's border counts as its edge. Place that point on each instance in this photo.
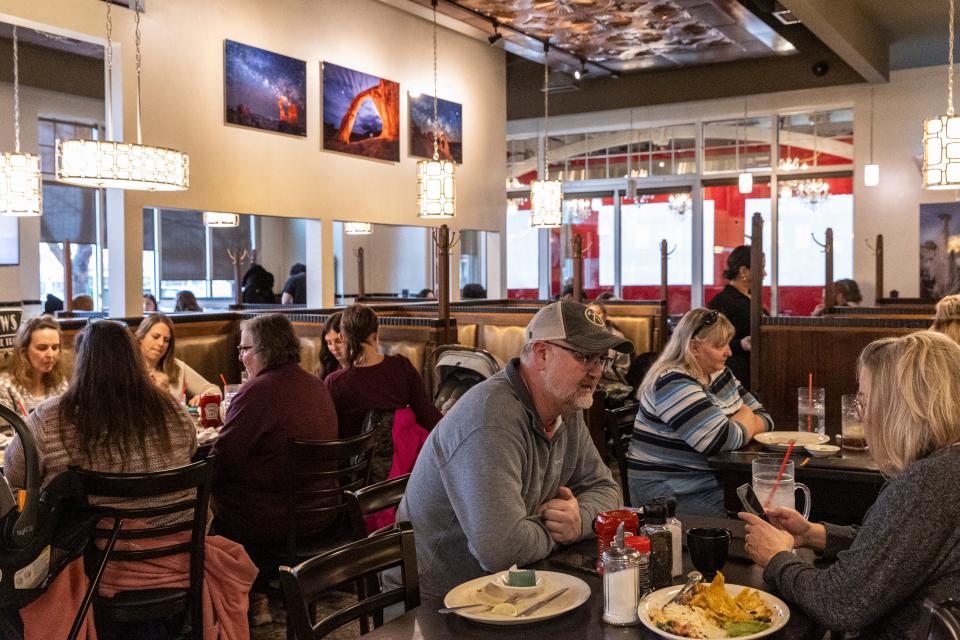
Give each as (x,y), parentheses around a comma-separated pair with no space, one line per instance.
(157,342)
(691,407)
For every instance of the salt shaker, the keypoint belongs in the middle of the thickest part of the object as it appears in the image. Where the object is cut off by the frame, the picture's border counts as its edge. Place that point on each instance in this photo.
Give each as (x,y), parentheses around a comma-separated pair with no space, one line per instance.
(621,583)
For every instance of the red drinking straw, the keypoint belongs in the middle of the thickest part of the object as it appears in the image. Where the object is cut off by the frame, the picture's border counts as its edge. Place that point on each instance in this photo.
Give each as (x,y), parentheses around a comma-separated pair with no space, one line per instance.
(223,380)
(776,484)
(23,409)
(810,400)
(183,394)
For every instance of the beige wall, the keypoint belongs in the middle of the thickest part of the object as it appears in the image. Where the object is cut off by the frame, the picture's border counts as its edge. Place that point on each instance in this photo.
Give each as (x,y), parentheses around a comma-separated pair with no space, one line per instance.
(243,170)
(394,258)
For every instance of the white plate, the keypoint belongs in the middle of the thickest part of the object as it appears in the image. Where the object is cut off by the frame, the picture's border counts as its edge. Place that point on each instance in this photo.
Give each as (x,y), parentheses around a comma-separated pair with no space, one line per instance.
(780,440)
(822,450)
(471,592)
(656,600)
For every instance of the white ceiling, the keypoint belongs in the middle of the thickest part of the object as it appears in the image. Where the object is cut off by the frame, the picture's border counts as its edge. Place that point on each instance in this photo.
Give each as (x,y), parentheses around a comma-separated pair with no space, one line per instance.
(918,29)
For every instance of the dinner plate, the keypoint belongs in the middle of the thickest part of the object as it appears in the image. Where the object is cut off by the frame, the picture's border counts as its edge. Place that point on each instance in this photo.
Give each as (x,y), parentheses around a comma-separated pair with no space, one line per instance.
(656,600)
(780,440)
(472,592)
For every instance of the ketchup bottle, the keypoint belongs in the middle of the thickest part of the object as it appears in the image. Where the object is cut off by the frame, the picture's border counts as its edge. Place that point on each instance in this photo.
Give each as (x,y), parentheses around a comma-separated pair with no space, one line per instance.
(210,410)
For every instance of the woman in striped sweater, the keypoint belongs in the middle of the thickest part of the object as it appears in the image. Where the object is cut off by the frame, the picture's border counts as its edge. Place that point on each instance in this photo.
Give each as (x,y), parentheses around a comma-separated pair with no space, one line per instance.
(691,407)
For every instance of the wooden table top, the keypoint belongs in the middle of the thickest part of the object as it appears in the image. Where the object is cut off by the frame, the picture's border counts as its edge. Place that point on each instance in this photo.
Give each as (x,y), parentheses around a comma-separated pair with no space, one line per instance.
(852,464)
(585,622)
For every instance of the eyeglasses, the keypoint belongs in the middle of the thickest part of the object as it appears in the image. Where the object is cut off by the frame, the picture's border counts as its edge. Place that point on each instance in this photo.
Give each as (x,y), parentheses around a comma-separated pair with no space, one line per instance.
(708,320)
(589,361)
(241,348)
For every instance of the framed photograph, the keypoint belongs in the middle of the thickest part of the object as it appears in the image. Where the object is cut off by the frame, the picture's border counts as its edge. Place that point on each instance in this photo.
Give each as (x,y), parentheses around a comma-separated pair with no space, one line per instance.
(939,250)
(9,240)
(264,90)
(361,114)
(449,128)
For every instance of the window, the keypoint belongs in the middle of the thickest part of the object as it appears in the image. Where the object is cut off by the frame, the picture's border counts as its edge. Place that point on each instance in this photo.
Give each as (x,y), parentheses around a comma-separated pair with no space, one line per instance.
(522,157)
(591,217)
(523,252)
(473,258)
(737,145)
(816,139)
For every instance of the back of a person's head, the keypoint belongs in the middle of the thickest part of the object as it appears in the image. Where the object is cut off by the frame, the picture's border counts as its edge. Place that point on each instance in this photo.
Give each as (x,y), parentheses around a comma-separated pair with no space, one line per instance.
(83,303)
(52,304)
(849,289)
(702,324)
(946,318)
(298,267)
(739,257)
(912,407)
(473,291)
(186,301)
(273,338)
(357,324)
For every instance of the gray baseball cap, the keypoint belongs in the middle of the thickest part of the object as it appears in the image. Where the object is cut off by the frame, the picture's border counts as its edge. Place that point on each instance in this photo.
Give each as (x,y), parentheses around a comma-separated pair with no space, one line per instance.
(575,325)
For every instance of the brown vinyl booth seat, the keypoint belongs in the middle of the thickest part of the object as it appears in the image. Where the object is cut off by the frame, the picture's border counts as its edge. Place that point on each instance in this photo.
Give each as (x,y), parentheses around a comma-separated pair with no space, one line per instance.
(638,330)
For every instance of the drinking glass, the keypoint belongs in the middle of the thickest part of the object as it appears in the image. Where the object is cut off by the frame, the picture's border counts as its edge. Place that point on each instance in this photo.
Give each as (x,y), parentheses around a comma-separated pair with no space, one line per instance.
(811,409)
(708,549)
(851,427)
(765,471)
(229,391)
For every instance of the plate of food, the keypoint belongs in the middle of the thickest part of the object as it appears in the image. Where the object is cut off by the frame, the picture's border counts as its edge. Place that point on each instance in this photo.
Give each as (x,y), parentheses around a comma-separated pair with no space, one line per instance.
(780,440)
(493,608)
(714,610)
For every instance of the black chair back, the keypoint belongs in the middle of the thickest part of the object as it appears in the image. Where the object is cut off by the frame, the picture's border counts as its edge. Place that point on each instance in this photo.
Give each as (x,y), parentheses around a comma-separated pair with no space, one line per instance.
(359,561)
(188,489)
(374,497)
(944,619)
(618,425)
(320,472)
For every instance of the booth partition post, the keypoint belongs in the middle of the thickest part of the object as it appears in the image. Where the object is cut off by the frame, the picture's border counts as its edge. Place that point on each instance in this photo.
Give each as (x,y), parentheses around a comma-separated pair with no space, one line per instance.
(361,279)
(664,254)
(577,245)
(237,256)
(67,276)
(444,239)
(878,253)
(828,289)
(756,299)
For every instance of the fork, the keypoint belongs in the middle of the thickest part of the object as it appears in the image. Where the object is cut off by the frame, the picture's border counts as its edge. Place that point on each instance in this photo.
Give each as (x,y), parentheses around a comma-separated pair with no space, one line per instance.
(511,600)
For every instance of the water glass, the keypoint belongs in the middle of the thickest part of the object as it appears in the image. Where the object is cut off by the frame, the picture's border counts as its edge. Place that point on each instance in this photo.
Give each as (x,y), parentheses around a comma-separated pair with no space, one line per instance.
(765,471)
(854,437)
(811,409)
(229,391)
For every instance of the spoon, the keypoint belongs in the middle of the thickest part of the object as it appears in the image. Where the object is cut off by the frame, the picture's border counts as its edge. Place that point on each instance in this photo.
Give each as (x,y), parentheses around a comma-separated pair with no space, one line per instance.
(692,578)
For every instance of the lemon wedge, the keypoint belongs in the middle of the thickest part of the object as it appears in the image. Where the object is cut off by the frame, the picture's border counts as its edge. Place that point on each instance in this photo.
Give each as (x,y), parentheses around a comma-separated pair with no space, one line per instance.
(505,609)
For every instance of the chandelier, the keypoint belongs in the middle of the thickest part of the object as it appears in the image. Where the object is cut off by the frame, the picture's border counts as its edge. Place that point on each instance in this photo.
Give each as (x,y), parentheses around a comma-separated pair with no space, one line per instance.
(580,208)
(21,185)
(546,195)
(435,178)
(680,203)
(120,165)
(745,179)
(941,135)
(217,220)
(357,228)
(812,192)
(791,164)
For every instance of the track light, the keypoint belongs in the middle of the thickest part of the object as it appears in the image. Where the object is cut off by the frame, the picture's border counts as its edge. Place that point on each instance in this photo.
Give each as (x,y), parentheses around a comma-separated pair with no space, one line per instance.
(496,35)
(582,71)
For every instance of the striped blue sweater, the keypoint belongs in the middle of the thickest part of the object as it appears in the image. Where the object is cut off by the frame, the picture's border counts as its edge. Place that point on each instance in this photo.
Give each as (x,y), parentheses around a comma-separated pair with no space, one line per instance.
(681,422)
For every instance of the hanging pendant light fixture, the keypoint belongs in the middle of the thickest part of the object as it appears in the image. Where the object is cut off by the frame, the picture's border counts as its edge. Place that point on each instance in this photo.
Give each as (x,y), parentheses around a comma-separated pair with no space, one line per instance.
(21,185)
(357,228)
(436,180)
(546,195)
(119,165)
(941,137)
(218,220)
(745,179)
(871,171)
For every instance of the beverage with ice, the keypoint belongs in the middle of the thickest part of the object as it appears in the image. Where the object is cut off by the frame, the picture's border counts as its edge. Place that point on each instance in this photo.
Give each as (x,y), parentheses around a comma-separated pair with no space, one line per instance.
(765,485)
(852,427)
(811,409)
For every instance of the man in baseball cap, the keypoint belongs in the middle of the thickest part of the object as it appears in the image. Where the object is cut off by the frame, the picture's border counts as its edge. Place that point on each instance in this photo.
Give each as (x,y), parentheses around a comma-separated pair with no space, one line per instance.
(511,471)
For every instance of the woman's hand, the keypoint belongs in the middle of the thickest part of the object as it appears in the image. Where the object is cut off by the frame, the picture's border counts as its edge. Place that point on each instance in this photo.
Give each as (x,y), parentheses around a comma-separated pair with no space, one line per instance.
(194,401)
(746,343)
(805,534)
(763,540)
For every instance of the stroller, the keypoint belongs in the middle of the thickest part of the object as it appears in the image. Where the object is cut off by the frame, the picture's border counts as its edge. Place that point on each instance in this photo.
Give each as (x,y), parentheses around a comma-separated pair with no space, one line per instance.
(456,369)
(41,532)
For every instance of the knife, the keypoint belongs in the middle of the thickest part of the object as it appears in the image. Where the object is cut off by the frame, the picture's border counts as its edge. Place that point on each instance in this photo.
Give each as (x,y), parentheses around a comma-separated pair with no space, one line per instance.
(536,605)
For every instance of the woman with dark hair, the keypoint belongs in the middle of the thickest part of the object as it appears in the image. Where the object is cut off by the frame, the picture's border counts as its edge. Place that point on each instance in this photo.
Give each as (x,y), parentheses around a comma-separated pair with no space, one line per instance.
(734,303)
(257,286)
(372,380)
(279,403)
(846,293)
(34,371)
(186,301)
(149,303)
(157,345)
(332,355)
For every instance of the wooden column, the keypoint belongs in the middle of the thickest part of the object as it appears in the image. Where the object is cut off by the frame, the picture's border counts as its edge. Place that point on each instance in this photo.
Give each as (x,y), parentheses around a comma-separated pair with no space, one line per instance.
(441,237)
(237,256)
(576,243)
(878,252)
(756,299)
(663,270)
(829,297)
(67,276)
(361,280)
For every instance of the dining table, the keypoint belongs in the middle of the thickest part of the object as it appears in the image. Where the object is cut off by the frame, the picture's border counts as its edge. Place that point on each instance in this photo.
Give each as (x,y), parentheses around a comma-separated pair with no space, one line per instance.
(585,622)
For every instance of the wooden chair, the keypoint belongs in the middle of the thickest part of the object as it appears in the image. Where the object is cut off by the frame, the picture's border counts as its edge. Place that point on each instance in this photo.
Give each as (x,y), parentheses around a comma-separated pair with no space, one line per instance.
(944,619)
(374,497)
(138,607)
(362,560)
(618,426)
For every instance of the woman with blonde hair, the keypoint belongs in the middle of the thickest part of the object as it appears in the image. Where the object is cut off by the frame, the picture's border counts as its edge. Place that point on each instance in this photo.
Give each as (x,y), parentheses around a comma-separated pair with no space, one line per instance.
(34,371)
(908,548)
(691,407)
(946,319)
(157,345)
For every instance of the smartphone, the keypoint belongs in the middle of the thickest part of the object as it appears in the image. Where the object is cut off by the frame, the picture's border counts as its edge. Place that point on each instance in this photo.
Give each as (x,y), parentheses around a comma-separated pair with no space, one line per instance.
(576,561)
(750,501)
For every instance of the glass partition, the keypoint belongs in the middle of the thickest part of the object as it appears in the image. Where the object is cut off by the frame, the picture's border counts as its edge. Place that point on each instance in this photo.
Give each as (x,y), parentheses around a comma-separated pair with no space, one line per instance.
(590,216)
(398,261)
(473,263)
(523,251)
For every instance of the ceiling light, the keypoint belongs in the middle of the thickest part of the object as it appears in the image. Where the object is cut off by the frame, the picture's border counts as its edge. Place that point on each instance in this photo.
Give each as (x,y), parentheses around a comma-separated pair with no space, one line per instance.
(215,219)
(941,137)
(357,228)
(21,185)
(436,180)
(871,172)
(582,72)
(119,165)
(745,179)
(546,195)
(496,35)
(745,182)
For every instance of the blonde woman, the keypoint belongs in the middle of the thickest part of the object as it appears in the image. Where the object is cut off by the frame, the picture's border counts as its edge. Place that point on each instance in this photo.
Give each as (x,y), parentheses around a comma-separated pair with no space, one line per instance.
(908,548)
(946,320)
(157,342)
(691,407)
(34,371)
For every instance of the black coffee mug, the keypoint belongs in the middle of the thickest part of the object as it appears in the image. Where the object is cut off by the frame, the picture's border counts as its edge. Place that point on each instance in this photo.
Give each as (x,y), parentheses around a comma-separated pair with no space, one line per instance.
(708,549)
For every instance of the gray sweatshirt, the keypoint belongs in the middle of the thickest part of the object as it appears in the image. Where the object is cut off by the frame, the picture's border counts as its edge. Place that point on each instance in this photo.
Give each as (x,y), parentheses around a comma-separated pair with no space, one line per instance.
(481,476)
(908,549)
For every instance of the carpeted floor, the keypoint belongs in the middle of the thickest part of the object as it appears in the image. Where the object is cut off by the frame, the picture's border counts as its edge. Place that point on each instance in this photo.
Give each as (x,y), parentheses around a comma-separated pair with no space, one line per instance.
(278,630)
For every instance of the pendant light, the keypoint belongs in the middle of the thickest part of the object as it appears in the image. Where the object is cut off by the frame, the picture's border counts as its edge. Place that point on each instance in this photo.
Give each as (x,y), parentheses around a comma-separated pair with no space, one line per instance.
(941,137)
(21,185)
(357,228)
(436,182)
(745,179)
(546,195)
(218,220)
(119,165)
(871,171)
